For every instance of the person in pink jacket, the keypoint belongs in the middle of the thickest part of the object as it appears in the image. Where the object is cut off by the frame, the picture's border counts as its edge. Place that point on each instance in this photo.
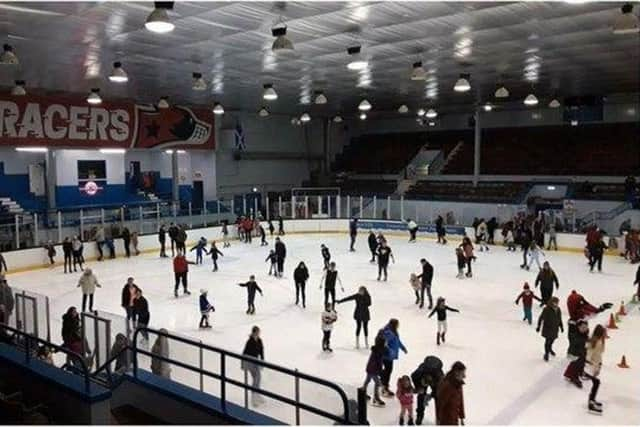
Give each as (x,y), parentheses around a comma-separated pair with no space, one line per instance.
(404,393)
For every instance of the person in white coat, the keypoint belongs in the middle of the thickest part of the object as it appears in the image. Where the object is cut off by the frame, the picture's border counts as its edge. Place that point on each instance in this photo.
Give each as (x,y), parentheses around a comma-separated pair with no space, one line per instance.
(88,283)
(161,348)
(535,252)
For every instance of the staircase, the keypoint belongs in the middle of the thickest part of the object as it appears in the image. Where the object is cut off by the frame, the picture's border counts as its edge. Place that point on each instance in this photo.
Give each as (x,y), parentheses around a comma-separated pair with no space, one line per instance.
(452,155)
(10,206)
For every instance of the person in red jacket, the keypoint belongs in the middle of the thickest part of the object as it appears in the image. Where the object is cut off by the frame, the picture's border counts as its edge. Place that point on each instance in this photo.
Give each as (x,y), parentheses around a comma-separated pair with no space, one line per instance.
(247,225)
(527,297)
(180,270)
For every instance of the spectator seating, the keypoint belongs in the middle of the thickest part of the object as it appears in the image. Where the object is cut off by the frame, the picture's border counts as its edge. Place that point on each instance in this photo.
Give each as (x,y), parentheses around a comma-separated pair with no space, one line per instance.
(595,191)
(366,187)
(485,192)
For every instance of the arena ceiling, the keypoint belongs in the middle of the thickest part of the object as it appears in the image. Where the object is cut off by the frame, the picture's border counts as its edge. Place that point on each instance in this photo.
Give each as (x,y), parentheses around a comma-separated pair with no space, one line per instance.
(549,48)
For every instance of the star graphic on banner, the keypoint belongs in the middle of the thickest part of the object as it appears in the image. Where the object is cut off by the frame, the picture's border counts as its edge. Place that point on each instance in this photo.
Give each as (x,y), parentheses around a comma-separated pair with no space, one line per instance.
(152,129)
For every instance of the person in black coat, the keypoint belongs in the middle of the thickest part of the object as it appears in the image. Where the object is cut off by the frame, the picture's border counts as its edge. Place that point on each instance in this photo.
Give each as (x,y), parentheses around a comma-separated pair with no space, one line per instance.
(254,349)
(384,253)
(492,225)
(281,253)
(361,313)
(372,240)
(67,250)
(440,230)
(525,243)
(550,321)
(300,277)
(214,252)
(252,288)
(173,233)
(426,277)
(596,252)
(546,279)
(162,238)
(577,351)
(126,239)
(128,298)
(141,313)
(426,379)
(353,233)
(326,256)
(280,226)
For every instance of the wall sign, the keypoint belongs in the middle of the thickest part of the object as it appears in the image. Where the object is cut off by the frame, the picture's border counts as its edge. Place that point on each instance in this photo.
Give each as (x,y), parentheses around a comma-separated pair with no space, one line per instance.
(72,123)
(90,188)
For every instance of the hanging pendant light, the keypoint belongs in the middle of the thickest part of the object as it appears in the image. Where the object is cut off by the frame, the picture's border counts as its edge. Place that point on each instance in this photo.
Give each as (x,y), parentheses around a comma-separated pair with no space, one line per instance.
(18,89)
(431,113)
(487,107)
(198,82)
(363,116)
(163,102)
(158,20)
(531,100)
(418,72)
(501,92)
(263,112)
(421,112)
(364,105)
(337,119)
(269,93)
(321,99)
(305,117)
(118,75)
(403,109)
(554,103)
(462,84)
(357,61)
(218,109)
(94,97)
(282,42)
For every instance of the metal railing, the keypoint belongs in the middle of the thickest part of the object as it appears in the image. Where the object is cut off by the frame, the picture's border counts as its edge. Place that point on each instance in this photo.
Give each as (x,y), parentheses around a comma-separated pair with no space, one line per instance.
(225,380)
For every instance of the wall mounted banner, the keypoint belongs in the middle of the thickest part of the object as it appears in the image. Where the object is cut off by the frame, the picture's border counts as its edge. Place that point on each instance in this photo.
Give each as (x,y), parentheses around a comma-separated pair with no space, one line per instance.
(70,122)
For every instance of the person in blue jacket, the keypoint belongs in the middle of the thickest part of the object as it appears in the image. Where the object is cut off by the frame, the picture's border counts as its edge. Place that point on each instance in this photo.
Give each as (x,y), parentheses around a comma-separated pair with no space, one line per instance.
(394,345)
(200,248)
(205,308)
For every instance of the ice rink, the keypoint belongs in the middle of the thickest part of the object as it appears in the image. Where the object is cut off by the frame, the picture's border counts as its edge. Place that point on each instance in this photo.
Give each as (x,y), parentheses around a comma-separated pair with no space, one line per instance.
(507,380)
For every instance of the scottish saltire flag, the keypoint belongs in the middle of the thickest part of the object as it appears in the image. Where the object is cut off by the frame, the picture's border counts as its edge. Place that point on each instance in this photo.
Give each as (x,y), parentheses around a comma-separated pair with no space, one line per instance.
(238,134)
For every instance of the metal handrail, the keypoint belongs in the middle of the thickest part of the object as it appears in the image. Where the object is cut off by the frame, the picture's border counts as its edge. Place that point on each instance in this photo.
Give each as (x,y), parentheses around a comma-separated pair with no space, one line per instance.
(29,338)
(223,379)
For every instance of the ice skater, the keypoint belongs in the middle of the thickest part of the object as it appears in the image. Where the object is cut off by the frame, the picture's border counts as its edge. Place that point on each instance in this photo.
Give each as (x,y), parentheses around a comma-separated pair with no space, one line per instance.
(263,235)
(141,313)
(280,226)
(281,253)
(577,352)
(535,252)
(595,349)
(546,279)
(271,227)
(527,296)
(254,349)
(162,239)
(361,313)
(300,277)
(404,393)
(596,253)
(88,283)
(391,335)
(441,231)
(552,238)
(173,233)
(326,256)
(384,253)
(225,234)
(214,252)
(482,236)
(426,277)
(328,318)
(467,249)
(461,261)
(205,308)
(252,288)
(510,241)
(353,233)
(416,284)
(181,271)
(77,249)
(273,259)
(329,279)
(372,240)
(441,309)
(426,378)
(67,250)
(374,369)
(550,321)
(200,248)
(413,230)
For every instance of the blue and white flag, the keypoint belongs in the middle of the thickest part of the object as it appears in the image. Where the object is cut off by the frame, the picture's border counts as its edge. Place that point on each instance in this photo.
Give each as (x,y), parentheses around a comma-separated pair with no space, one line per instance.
(238,134)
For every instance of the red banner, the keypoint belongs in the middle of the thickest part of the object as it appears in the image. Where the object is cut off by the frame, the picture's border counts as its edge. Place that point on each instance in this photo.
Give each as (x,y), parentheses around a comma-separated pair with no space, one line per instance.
(73,123)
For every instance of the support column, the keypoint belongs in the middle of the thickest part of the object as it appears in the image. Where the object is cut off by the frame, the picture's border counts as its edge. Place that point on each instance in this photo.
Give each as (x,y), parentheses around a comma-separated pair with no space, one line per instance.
(175,177)
(50,178)
(476,148)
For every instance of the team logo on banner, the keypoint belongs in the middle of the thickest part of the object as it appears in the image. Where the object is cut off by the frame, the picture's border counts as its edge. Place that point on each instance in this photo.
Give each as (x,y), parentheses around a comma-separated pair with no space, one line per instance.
(72,123)
(90,188)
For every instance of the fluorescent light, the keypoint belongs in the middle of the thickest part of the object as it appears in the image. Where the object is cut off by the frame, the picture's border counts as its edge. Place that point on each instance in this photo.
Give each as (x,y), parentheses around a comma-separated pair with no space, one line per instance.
(531,100)
(281,43)
(32,149)
(421,112)
(462,85)
(337,119)
(358,62)
(626,22)
(118,74)
(263,112)
(403,109)
(113,150)
(171,151)
(554,103)
(94,97)
(255,190)
(501,92)
(164,102)
(18,89)
(198,82)
(218,109)
(431,113)
(305,117)
(363,116)
(8,57)
(432,124)
(418,72)
(551,187)
(364,105)
(321,99)
(269,93)
(158,20)
(574,123)
(487,107)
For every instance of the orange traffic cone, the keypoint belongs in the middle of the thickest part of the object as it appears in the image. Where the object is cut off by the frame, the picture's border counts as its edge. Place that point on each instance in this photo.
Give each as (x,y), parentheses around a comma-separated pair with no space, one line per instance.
(623,363)
(612,322)
(622,311)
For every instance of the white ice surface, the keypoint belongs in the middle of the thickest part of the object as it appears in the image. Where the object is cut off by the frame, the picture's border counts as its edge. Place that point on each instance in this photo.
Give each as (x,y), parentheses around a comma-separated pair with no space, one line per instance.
(508,382)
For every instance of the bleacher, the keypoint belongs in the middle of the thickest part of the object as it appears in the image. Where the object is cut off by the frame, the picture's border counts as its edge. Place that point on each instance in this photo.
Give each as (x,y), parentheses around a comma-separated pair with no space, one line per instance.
(485,192)
(597,191)
(588,149)
(366,187)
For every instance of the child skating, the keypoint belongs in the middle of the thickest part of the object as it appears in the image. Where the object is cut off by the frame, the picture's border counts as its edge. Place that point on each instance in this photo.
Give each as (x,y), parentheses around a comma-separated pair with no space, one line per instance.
(263,235)
(510,241)
(200,248)
(214,252)
(527,296)
(535,252)
(374,369)
(461,260)
(273,258)
(252,288)
(225,234)
(404,393)
(205,309)
(326,256)
(416,285)
(328,318)
(441,309)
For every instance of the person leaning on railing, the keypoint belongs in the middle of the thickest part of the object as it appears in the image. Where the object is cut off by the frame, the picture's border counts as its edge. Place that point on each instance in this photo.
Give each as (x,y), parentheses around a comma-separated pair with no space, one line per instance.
(254,348)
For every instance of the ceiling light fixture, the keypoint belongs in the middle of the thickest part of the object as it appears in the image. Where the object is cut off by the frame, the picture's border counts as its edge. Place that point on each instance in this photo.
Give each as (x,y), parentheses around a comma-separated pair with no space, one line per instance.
(269,92)
(501,92)
(321,99)
(431,113)
(363,116)
(358,62)
(281,43)
(487,107)
(421,112)
(554,103)
(158,20)
(263,112)
(403,109)
(118,75)
(32,149)
(462,85)
(18,89)
(164,102)
(113,150)
(218,109)
(626,22)
(94,97)
(305,117)
(364,105)
(8,57)
(337,119)
(418,72)
(198,82)
(295,121)
(574,123)
(531,100)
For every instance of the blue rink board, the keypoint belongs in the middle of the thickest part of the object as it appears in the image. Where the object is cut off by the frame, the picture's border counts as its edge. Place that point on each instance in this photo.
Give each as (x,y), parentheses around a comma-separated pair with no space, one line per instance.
(402,226)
